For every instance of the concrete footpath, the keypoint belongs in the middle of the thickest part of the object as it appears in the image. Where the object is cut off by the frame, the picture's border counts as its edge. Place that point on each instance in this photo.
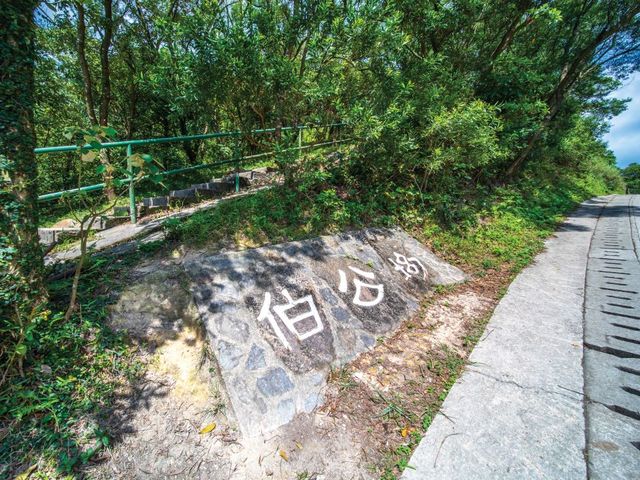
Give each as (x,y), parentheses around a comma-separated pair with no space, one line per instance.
(552,390)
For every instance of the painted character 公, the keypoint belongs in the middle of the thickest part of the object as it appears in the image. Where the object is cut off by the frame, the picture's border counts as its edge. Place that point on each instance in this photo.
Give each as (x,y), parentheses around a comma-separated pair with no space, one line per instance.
(359,284)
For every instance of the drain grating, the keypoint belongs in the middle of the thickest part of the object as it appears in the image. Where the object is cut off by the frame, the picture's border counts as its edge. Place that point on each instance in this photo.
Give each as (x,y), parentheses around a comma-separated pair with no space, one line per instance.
(612,342)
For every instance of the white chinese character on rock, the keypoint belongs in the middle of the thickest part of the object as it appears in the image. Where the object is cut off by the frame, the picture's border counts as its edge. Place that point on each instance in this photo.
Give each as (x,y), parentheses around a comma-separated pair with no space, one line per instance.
(409,266)
(290,323)
(359,284)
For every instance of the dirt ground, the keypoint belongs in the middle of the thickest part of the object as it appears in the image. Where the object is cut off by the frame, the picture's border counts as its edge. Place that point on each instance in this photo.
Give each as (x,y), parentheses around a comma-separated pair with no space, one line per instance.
(173,424)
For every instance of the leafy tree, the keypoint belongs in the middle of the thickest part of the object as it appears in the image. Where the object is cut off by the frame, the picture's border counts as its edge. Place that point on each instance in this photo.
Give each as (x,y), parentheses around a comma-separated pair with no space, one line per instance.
(631,175)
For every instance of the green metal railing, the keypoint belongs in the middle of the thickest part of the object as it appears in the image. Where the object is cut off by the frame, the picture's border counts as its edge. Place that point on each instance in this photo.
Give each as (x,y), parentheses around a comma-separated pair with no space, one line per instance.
(129,144)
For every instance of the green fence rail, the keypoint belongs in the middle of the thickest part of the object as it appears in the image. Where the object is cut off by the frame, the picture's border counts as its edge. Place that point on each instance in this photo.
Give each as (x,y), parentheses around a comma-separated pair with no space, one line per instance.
(129,144)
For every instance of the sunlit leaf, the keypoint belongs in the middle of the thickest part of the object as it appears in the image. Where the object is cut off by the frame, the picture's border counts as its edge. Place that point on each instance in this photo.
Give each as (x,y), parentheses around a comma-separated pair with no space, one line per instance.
(109,131)
(136,160)
(89,156)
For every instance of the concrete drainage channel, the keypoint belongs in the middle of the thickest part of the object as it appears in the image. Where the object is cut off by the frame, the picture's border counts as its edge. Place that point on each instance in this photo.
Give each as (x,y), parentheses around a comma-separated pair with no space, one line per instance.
(612,343)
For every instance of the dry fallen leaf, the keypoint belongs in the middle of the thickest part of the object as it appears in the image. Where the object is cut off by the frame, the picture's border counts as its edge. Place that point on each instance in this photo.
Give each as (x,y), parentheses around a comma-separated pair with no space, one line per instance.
(299,446)
(284,455)
(209,428)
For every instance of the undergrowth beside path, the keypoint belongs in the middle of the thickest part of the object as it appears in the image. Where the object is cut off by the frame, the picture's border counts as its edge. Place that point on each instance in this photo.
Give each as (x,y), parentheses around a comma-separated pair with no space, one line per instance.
(50,416)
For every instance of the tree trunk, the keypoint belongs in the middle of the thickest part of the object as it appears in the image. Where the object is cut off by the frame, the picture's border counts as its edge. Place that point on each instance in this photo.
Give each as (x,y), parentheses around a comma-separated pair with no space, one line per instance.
(569,76)
(105,90)
(84,65)
(514,27)
(22,292)
(105,79)
(192,154)
(105,82)
(520,160)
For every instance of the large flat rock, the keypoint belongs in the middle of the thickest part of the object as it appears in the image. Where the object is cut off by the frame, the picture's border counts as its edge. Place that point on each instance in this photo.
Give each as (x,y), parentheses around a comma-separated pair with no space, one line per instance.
(279,317)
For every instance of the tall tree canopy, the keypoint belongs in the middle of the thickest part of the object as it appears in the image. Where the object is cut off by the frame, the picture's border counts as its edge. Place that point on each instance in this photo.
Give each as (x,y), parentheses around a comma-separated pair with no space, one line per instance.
(470,87)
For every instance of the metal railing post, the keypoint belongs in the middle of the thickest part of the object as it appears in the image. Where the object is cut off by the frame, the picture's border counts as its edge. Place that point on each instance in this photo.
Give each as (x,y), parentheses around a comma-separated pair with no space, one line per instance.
(299,140)
(132,190)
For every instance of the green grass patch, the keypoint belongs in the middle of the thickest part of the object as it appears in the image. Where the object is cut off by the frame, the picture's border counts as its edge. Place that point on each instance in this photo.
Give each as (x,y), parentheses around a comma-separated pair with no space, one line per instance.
(510,226)
(275,215)
(506,226)
(51,413)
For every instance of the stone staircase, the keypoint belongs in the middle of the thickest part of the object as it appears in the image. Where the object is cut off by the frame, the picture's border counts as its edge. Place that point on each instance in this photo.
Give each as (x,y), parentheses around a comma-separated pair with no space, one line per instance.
(217,187)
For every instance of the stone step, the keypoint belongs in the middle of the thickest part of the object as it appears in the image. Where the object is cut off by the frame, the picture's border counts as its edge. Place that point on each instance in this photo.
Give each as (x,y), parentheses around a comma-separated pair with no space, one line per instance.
(182,194)
(50,236)
(215,186)
(121,214)
(69,228)
(113,221)
(155,202)
(244,179)
(192,194)
(120,211)
(262,171)
(99,223)
(205,193)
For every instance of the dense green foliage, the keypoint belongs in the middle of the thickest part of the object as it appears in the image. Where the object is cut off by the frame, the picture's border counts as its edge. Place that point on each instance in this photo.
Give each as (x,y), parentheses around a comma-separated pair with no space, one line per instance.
(631,176)
(445,95)
(53,412)
(474,124)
